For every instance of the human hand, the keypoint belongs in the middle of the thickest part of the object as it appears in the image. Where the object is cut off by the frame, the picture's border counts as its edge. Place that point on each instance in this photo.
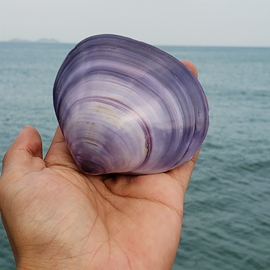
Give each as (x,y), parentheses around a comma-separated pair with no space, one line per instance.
(58,218)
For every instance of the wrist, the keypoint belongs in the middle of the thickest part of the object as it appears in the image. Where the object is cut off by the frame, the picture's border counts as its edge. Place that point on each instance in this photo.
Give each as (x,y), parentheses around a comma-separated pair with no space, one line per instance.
(44,260)
(46,265)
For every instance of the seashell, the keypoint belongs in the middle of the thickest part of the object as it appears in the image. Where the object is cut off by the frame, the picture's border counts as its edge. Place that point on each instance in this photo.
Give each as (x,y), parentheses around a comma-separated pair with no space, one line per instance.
(128,107)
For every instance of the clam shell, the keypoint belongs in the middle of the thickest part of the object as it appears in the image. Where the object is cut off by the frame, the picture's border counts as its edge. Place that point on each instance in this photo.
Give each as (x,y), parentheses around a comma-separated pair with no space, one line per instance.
(128,107)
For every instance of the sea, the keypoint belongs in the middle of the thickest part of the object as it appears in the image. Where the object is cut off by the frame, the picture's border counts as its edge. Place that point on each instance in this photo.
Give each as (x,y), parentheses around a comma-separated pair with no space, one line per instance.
(227,205)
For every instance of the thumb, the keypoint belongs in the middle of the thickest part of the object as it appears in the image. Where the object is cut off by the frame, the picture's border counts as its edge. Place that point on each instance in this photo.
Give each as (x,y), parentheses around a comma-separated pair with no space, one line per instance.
(25,153)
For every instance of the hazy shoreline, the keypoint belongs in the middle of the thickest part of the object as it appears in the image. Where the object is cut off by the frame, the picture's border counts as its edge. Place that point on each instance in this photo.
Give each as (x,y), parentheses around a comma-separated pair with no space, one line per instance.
(41,40)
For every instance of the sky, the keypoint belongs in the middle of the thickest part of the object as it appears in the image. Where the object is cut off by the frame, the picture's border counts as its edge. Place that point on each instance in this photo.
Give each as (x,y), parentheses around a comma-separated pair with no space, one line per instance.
(158,22)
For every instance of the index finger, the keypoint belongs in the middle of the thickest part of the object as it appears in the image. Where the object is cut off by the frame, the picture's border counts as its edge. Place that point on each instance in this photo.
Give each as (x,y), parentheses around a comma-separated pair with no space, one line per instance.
(191,67)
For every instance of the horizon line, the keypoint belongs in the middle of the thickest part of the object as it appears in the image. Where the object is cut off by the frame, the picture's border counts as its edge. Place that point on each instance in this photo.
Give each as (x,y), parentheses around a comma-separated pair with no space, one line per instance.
(55,41)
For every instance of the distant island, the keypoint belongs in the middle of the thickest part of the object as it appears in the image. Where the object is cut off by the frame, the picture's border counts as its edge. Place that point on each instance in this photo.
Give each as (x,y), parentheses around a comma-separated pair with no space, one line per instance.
(41,40)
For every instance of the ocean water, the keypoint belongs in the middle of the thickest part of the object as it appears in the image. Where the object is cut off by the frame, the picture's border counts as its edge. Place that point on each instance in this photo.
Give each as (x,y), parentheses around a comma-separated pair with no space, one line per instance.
(227,207)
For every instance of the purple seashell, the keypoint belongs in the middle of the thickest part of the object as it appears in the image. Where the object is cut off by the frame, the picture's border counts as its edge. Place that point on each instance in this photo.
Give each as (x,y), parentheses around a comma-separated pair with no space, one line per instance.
(128,107)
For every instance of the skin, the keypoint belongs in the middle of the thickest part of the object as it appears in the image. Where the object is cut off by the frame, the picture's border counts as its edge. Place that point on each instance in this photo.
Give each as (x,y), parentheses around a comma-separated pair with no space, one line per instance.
(59,218)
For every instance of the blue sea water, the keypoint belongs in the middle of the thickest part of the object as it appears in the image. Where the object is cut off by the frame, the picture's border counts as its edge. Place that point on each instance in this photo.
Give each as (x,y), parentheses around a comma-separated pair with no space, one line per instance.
(227,205)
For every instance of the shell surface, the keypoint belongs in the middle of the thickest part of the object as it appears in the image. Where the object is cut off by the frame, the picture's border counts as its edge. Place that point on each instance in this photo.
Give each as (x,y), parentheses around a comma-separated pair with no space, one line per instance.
(128,107)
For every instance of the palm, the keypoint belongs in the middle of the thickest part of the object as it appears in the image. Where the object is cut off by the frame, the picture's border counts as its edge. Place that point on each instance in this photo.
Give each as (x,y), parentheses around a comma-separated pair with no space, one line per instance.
(134,220)
(122,222)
